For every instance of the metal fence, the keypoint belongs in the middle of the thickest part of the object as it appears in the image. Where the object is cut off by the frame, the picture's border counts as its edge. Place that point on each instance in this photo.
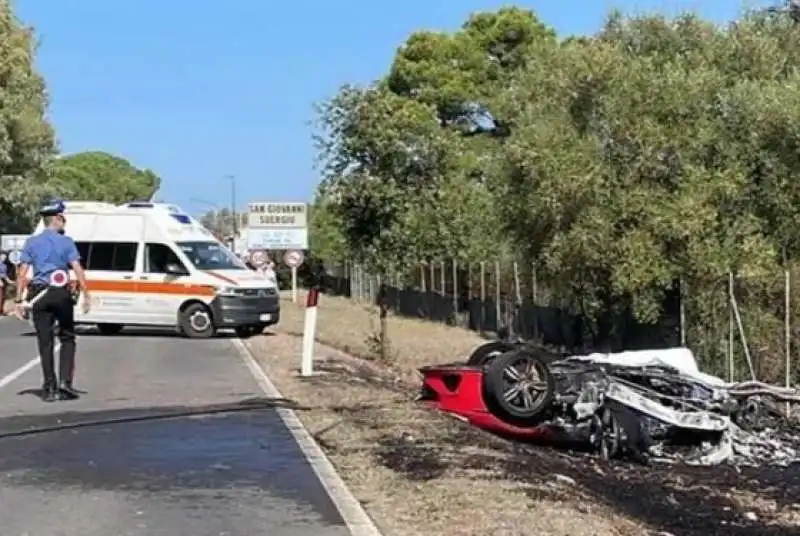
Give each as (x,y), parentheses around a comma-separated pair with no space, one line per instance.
(738,328)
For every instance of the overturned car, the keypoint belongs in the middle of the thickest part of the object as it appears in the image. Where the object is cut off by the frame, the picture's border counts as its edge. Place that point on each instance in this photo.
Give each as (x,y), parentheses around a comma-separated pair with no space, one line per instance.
(645,405)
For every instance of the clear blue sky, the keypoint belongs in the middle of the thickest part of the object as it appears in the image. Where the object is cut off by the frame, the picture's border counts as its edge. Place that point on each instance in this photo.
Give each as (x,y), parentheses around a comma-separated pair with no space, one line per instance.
(197,90)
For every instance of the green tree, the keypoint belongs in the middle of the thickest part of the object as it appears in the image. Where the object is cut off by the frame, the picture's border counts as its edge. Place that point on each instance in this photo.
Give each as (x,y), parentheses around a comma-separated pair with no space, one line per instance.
(219,222)
(97,175)
(655,152)
(26,138)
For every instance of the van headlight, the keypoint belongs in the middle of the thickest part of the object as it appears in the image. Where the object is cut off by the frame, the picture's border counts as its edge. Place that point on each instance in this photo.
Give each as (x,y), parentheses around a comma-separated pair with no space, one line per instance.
(228,291)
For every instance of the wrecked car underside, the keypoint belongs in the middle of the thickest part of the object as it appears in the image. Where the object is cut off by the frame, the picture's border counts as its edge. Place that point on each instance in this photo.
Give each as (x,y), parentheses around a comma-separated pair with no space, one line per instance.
(645,405)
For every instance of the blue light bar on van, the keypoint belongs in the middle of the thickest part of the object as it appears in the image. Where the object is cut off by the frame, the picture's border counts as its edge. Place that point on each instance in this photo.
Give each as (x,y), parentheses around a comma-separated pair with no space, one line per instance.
(137,204)
(182,218)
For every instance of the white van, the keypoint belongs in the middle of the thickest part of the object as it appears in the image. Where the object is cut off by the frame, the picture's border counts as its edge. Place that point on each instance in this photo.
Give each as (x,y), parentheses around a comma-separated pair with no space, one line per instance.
(150,264)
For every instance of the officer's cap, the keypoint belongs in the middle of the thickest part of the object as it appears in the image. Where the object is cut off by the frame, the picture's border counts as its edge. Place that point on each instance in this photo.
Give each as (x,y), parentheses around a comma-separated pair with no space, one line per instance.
(52,208)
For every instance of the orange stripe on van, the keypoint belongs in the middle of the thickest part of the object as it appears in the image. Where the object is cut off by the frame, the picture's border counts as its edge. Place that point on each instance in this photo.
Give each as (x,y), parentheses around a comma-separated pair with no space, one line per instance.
(150,287)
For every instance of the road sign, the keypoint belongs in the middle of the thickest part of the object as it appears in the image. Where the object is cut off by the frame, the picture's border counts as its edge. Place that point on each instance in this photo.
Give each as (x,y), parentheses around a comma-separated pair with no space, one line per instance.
(293,259)
(278,216)
(277,238)
(259,258)
(14,256)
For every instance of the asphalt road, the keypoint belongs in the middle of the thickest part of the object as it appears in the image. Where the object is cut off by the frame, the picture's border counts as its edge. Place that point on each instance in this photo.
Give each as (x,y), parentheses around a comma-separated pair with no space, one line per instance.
(196,449)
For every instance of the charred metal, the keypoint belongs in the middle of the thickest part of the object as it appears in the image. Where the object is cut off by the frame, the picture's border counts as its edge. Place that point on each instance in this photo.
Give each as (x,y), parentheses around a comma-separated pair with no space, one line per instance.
(651,405)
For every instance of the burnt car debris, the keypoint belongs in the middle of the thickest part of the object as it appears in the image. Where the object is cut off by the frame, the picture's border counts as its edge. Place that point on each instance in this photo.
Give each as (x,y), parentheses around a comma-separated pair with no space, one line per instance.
(649,405)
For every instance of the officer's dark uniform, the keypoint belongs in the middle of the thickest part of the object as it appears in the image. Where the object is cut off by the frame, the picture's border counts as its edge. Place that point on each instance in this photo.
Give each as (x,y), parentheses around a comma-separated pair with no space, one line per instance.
(48,252)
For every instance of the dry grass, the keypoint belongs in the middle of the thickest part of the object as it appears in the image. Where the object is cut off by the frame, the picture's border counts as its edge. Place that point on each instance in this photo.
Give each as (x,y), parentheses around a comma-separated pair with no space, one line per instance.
(421,473)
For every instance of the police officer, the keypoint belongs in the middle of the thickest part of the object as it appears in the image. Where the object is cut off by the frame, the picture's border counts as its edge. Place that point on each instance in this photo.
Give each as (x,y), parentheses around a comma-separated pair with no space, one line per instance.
(46,259)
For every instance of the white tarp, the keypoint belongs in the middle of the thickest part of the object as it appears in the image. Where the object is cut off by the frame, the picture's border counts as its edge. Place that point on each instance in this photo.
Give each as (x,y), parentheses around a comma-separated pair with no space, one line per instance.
(680,359)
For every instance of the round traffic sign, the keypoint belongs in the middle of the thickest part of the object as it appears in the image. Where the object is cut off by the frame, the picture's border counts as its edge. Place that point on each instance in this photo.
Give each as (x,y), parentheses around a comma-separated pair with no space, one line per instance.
(259,258)
(293,258)
(14,256)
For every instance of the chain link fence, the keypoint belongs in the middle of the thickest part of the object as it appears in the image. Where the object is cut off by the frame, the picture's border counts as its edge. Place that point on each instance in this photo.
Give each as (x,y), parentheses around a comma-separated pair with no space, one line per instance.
(738,328)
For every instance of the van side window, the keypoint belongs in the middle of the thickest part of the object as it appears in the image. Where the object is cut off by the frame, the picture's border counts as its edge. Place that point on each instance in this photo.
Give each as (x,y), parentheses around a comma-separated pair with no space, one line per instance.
(158,256)
(83,251)
(111,256)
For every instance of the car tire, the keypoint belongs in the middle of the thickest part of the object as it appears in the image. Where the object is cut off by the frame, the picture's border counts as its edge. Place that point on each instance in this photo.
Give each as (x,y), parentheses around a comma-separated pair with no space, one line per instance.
(511,399)
(487,352)
(195,322)
(109,329)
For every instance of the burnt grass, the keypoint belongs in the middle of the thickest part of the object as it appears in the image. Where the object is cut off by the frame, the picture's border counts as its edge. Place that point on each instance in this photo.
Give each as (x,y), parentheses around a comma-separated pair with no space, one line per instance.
(677,499)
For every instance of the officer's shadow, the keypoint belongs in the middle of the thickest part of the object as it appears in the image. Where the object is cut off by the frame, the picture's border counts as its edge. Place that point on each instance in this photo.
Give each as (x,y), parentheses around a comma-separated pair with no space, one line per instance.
(39,393)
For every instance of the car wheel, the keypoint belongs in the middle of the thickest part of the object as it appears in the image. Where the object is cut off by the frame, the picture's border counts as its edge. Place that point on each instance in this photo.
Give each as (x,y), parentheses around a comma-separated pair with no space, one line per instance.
(487,352)
(518,385)
(606,434)
(109,329)
(196,322)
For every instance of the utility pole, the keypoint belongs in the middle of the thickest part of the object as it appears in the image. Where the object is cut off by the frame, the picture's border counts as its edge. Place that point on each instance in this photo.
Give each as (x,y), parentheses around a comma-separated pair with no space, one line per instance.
(234,215)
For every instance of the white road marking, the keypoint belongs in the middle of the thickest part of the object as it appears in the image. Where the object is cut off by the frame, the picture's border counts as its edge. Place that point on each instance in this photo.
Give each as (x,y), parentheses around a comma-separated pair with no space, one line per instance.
(356,519)
(19,372)
(10,378)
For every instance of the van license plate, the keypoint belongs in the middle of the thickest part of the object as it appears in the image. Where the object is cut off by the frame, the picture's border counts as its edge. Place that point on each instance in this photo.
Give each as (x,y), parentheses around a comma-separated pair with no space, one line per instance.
(265,318)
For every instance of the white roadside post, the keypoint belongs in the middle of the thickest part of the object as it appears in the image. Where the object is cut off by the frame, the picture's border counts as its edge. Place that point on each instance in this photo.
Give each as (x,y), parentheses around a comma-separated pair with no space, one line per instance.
(309,332)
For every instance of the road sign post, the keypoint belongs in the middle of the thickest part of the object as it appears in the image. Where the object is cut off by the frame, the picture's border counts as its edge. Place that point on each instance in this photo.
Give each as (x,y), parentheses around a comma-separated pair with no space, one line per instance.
(280,226)
(293,259)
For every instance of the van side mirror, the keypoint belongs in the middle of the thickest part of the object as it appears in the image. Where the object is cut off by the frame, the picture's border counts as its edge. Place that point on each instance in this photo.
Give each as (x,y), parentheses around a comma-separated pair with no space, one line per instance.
(175,269)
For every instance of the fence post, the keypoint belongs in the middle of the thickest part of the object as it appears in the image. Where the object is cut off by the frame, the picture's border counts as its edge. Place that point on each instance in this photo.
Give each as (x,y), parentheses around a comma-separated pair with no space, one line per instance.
(469,281)
(731,329)
(483,296)
(455,288)
(682,308)
(497,309)
(362,282)
(518,297)
(433,276)
(356,282)
(534,300)
(423,287)
(443,278)
(788,332)
(742,335)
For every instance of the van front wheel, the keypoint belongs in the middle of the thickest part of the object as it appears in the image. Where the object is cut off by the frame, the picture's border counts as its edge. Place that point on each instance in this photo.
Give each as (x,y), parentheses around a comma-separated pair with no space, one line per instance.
(195,322)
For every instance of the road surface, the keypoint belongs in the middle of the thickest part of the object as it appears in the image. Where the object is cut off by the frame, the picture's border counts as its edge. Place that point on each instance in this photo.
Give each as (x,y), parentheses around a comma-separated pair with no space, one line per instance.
(165,467)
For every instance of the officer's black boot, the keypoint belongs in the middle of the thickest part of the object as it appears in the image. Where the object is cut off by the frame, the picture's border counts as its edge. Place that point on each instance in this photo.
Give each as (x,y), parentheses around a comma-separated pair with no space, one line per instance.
(50,392)
(66,391)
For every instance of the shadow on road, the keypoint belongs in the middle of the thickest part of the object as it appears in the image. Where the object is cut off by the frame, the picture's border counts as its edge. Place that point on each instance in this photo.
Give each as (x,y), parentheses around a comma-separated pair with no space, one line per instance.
(85,331)
(27,425)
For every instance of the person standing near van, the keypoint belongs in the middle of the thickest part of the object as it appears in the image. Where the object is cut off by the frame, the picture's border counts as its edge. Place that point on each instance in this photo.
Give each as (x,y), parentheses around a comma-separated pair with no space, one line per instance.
(50,255)
(5,281)
(268,271)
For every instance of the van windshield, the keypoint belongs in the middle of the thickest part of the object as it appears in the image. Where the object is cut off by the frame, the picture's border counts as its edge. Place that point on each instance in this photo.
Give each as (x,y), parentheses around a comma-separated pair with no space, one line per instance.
(211,256)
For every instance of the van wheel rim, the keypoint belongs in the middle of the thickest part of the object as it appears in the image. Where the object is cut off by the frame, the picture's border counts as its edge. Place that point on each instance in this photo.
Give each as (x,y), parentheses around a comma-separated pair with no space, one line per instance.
(199,321)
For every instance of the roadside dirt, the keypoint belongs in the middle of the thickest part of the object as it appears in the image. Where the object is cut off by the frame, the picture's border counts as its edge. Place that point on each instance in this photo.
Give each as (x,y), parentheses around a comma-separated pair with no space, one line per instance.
(417,472)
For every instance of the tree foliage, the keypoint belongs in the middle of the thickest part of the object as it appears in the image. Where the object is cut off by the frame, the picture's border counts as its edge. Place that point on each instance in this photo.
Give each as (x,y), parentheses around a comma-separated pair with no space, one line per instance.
(655,151)
(29,170)
(26,138)
(100,176)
